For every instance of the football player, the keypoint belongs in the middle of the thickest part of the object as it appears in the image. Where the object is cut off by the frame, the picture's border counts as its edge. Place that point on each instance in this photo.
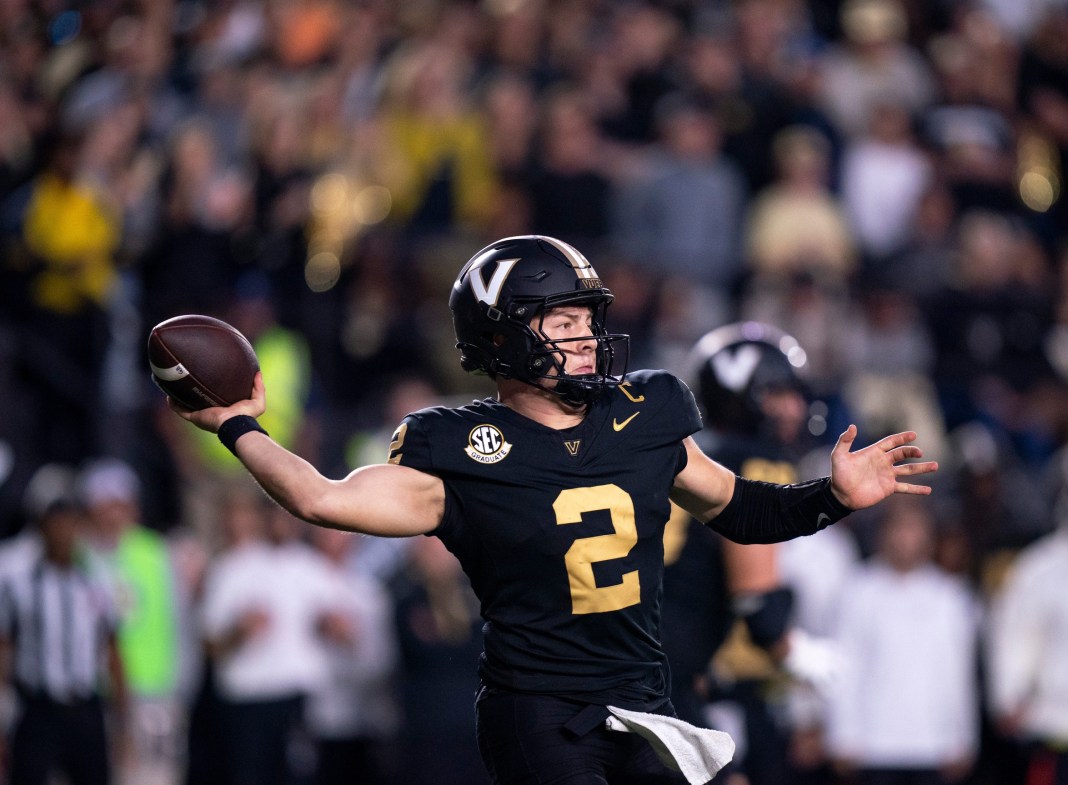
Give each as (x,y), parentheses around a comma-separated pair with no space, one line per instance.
(554,496)
(750,383)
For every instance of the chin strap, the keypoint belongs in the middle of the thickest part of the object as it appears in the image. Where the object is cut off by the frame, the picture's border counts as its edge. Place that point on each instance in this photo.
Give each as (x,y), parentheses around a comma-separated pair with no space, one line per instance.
(573,390)
(568,389)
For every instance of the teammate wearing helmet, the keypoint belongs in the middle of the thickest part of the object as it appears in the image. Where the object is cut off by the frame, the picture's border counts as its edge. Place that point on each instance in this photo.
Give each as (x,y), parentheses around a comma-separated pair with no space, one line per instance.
(750,384)
(553,496)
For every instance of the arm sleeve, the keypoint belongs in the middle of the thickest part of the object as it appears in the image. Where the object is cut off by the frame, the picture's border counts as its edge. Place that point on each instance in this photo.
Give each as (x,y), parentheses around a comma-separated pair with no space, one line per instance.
(762,512)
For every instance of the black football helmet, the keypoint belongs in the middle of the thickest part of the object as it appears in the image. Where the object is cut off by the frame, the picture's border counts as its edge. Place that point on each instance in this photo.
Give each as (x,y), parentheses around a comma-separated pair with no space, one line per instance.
(736,364)
(499,298)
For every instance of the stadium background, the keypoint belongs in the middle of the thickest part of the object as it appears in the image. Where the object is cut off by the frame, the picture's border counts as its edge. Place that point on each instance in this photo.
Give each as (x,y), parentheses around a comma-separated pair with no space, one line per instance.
(883,179)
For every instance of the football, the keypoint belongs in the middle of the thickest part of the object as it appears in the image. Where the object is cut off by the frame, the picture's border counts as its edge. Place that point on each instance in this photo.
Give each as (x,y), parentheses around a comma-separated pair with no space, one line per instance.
(200,361)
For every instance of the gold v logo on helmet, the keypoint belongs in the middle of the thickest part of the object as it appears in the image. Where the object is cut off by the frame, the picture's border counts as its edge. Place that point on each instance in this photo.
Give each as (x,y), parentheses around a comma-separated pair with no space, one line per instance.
(489,294)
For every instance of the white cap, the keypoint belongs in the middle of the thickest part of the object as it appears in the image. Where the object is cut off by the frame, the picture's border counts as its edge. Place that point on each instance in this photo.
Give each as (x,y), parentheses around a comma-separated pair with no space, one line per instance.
(50,484)
(109,479)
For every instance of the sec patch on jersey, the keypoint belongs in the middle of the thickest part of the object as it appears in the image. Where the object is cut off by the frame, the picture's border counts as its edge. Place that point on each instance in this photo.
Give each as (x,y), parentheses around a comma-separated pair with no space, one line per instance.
(486,444)
(200,361)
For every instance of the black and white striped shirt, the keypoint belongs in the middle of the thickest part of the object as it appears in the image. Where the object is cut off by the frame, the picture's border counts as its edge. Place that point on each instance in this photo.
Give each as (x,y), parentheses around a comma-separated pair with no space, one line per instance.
(58,620)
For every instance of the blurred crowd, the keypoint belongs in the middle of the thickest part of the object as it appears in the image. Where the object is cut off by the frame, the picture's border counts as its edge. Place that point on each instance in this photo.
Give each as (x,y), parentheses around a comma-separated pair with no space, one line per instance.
(882,179)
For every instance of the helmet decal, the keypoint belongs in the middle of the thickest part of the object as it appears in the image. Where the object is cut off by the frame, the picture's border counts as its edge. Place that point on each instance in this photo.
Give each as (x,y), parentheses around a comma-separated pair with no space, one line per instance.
(735,368)
(491,293)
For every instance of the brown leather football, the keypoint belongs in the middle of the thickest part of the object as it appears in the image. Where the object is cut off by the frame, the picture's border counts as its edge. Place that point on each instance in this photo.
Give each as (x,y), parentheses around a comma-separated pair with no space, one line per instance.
(200,361)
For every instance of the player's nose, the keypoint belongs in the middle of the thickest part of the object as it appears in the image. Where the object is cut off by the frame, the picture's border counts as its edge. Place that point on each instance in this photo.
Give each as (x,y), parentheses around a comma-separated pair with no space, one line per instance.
(586,344)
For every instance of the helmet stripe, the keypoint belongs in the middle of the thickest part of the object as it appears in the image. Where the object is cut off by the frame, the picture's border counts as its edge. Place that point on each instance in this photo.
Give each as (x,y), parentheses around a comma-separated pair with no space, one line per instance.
(581,265)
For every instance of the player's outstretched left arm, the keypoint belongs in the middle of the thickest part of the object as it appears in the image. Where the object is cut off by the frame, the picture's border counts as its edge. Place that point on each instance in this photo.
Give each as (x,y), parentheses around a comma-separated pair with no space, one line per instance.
(867,476)
(747,511)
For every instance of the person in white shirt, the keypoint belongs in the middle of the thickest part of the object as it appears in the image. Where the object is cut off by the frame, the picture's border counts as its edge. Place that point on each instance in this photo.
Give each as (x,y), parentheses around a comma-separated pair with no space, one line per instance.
(261,606)
(353,714)
(1027,653)
(885,172)
(905,711)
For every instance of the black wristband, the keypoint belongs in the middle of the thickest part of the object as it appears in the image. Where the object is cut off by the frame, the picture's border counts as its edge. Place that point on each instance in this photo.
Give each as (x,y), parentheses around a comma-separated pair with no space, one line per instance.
(236,427)
(762,512)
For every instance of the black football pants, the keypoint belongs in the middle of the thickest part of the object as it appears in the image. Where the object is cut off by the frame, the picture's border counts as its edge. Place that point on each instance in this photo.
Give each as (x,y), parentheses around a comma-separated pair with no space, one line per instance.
(526,740)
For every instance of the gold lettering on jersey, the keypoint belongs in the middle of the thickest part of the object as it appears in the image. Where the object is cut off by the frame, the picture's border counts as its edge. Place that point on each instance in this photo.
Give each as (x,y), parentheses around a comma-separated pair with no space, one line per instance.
(623,388)
(486,444)
(766,470)
(398,441)
(573,447)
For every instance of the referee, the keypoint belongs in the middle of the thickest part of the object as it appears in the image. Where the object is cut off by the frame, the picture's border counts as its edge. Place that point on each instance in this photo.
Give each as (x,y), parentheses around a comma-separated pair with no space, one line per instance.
(57,629)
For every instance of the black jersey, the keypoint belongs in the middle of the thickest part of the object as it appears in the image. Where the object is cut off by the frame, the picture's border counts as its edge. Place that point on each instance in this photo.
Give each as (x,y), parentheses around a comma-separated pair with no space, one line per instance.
(753,458)
(561,534)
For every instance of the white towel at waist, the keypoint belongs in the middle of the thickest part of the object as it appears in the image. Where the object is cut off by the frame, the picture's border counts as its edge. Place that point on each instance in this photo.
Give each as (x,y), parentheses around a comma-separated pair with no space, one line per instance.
(699,753)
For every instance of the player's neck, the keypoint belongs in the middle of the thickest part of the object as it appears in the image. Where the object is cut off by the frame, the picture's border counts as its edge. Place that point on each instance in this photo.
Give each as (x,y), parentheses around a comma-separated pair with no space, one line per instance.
(539,405)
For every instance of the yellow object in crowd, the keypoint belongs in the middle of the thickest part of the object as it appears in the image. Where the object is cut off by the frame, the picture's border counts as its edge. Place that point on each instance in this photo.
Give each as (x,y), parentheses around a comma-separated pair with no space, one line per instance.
(74,235)
(423,148)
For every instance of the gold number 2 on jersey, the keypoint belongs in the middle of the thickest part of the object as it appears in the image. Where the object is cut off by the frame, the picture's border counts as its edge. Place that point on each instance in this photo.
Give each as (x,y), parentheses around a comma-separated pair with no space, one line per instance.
(586,595)
(395,454)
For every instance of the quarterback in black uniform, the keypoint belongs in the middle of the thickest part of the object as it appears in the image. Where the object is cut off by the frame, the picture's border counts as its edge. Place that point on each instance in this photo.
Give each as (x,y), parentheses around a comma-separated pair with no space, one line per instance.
(554,498)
